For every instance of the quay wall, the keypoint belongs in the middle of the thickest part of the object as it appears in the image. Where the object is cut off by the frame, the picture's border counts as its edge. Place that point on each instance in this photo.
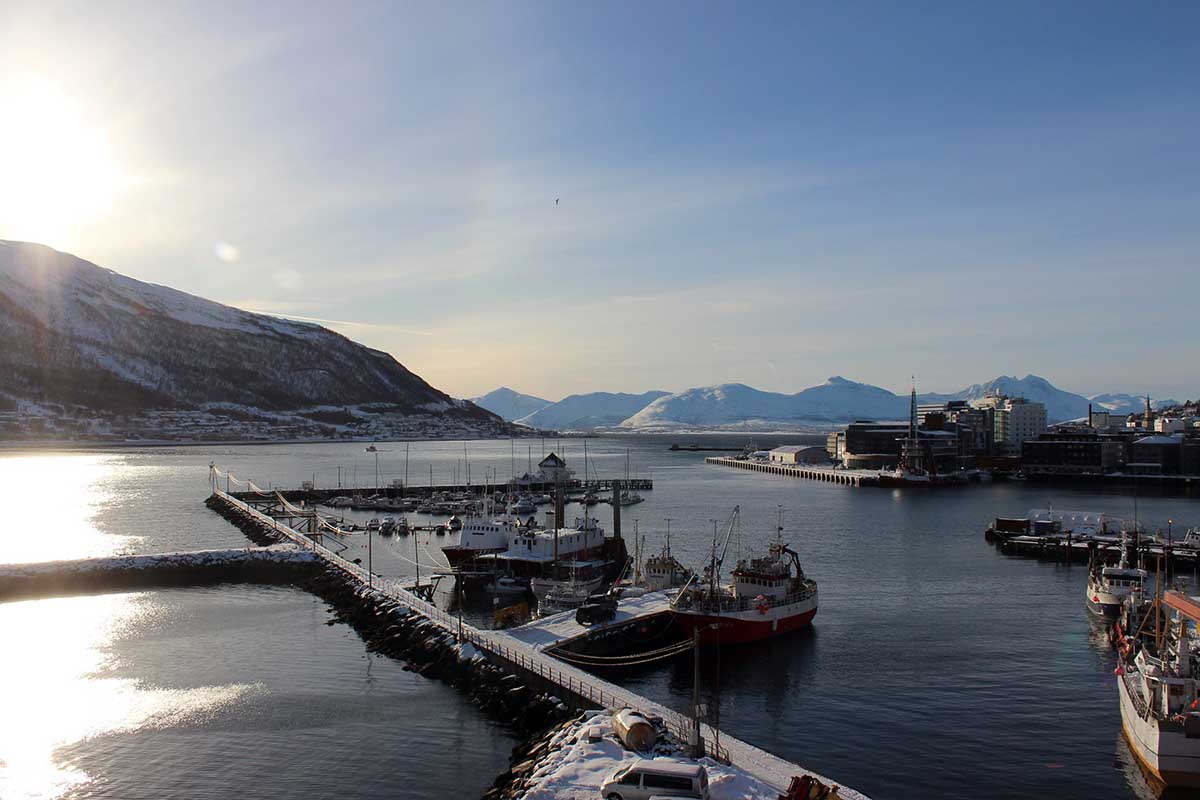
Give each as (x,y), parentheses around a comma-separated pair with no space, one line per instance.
(841,477)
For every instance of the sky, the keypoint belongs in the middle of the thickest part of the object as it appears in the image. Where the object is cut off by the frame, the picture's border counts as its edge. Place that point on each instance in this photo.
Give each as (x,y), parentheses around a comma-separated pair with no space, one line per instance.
(570,197)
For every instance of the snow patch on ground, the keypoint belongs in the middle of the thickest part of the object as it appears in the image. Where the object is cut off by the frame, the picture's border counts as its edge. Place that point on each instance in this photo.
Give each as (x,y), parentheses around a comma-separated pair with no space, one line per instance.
(585,754)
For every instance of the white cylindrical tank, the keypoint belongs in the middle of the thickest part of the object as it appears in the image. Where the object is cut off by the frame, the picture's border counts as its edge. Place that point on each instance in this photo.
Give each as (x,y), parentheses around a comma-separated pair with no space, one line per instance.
(634,730)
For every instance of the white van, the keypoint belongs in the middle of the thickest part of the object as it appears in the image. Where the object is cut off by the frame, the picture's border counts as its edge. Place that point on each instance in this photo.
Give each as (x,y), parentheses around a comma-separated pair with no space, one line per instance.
(656,777)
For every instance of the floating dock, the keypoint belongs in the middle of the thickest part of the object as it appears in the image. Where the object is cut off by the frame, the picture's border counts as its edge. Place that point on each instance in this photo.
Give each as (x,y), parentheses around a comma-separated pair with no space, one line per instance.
(845,477)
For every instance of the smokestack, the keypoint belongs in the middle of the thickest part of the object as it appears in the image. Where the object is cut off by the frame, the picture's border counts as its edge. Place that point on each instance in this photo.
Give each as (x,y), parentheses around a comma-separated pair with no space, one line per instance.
(1090,415)
(616,507)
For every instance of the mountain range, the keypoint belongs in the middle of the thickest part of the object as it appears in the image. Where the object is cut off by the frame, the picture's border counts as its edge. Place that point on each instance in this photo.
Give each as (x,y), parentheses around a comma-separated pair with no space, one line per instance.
(735,406)
(87,347)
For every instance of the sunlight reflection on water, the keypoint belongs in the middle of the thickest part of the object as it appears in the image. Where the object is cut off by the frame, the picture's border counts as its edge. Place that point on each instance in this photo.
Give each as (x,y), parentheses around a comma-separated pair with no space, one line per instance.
(57,669)
(52,504)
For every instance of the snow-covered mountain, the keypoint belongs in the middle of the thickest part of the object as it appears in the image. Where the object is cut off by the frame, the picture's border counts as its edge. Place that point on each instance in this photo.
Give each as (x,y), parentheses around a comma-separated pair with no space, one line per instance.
(82,340)
(1060,405)
(735,404)
(585,411)
(1119,403)
(510,405)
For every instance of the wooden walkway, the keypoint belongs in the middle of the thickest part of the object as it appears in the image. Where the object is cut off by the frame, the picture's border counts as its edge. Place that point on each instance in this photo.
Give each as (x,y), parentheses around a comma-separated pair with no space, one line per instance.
(567,681)
(845,477)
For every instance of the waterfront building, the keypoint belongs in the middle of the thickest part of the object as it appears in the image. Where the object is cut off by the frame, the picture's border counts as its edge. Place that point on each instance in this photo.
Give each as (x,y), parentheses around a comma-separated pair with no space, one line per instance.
(1158,454)
(873,445)
(1071,452)
(835,445)
(799,454)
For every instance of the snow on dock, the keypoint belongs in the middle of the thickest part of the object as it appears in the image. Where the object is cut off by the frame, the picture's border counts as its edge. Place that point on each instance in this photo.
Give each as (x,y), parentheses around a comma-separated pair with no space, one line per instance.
(583,755)
(561,628)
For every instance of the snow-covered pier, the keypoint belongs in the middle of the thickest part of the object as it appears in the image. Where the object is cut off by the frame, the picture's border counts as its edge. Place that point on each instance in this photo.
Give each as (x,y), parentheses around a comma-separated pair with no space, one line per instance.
(845,477)
(530,661)
(267,564)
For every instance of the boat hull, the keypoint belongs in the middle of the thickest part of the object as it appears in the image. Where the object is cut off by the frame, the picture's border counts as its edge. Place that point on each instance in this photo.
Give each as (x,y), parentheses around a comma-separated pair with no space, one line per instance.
(1161,748)
(458,556)
(747,626)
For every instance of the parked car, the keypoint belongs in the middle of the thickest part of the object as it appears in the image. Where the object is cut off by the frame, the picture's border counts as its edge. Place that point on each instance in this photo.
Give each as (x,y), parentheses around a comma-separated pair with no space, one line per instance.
(656,777)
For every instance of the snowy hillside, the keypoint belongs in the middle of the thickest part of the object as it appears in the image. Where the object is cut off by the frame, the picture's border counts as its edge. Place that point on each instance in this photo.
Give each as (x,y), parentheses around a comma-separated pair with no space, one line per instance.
(510,405)
(836,400)
(88,339)
(594,410)
(1119,403)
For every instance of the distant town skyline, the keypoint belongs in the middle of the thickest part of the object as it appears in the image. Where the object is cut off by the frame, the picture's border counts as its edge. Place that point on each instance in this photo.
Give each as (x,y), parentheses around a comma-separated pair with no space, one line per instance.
(564,199)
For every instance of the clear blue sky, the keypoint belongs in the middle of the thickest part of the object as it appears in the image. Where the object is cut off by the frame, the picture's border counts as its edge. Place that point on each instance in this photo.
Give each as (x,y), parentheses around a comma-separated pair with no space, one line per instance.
(763,193)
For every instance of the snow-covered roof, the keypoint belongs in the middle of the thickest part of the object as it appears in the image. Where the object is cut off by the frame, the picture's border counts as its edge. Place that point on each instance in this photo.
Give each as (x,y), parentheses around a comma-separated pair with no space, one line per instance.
(551,460)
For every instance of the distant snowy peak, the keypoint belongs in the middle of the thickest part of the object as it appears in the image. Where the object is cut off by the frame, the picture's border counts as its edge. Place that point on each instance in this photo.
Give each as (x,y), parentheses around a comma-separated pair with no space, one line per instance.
(587,411)
(1119,403)
(1060,405)
(510,405)
(735,404)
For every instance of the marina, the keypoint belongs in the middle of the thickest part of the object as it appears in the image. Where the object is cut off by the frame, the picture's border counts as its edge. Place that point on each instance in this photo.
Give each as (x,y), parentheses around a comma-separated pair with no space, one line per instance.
(535,664)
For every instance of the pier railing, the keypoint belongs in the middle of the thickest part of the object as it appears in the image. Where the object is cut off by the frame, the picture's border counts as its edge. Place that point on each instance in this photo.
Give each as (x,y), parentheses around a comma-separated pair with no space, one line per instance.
(765,766)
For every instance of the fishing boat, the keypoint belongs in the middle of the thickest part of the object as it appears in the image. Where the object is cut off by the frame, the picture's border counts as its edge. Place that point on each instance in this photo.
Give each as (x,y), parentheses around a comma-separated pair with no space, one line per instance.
(1109,588)
(402,528)
(1157,691)
(481,536)
(373,525)
(455,523)
(767,596)
(551,558)
(341,501)
(386,526)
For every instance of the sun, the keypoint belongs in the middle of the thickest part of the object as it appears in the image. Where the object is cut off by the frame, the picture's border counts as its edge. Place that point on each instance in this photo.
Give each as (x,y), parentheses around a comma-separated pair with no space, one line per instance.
(58,172)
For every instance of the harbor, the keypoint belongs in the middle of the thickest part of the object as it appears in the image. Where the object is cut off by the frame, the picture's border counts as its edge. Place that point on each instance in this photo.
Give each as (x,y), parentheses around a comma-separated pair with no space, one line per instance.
(889,540)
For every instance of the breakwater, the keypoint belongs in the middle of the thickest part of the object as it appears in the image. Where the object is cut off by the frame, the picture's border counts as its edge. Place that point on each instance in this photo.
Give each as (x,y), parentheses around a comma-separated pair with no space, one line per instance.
(279,564)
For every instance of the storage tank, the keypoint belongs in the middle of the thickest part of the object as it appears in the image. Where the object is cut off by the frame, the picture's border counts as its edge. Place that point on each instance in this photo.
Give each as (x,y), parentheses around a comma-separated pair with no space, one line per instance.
(634,730)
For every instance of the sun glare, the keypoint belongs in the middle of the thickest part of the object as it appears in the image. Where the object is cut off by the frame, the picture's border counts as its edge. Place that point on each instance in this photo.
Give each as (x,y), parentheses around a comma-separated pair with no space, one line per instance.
(58,171)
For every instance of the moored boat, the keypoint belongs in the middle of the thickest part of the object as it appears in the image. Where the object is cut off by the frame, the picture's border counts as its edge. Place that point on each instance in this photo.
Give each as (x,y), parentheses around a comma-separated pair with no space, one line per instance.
(767,597)
(1157,692)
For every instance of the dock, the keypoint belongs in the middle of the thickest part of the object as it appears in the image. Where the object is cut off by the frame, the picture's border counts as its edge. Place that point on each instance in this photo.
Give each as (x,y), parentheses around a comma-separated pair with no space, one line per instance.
(845,477)
(529,660)
(315,495)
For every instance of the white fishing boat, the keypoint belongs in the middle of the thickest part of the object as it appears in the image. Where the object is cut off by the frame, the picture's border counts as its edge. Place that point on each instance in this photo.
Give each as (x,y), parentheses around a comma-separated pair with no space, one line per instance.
(1158,697)
(1109,588)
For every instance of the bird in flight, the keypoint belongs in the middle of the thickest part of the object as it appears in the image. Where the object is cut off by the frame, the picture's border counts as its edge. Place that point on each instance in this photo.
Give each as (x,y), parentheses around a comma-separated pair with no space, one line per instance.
(556,201)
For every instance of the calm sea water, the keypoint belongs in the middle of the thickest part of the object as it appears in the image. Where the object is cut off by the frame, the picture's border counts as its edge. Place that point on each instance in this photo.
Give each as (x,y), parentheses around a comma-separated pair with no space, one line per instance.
(935,666)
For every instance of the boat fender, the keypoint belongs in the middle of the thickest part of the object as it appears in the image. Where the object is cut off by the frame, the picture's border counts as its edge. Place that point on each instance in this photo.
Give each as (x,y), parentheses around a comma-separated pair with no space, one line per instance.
(761,604)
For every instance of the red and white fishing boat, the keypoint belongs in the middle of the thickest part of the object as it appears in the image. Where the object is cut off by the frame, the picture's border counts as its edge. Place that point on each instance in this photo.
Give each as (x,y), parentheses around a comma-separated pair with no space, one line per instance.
(767,597)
